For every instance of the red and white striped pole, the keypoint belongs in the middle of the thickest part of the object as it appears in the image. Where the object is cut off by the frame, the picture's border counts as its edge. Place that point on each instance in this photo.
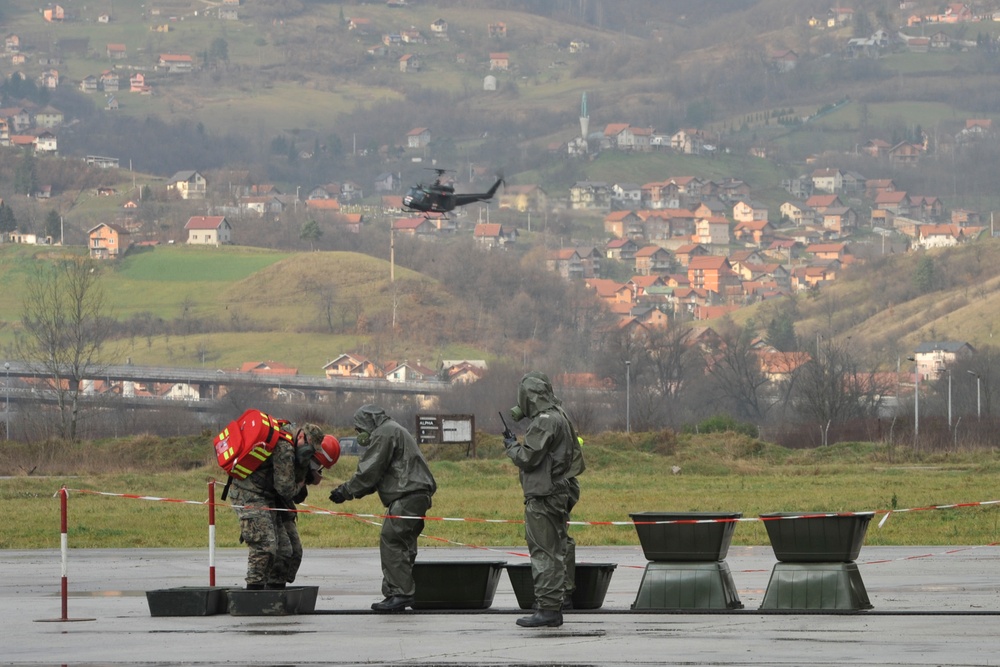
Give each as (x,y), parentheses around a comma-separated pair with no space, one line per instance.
(211,532)
(64,549)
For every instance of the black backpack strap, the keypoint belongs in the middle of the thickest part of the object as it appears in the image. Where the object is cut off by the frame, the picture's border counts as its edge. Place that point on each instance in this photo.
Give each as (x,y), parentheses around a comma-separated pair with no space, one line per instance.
(225,490)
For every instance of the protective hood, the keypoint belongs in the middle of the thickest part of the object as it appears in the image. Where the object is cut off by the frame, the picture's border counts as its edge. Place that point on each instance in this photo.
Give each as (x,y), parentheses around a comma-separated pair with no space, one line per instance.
(369,417)
(534,394)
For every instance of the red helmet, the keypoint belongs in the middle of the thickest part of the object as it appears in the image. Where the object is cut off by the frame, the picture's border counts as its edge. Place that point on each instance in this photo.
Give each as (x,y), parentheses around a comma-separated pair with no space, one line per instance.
(328,451)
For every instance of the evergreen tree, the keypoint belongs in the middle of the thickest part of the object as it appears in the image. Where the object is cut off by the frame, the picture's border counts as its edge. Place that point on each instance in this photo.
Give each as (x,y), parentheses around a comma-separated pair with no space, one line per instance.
(924,277)
(8,222)
(310,232)
(781,333)
(218,51)
(25,179)
(53,224)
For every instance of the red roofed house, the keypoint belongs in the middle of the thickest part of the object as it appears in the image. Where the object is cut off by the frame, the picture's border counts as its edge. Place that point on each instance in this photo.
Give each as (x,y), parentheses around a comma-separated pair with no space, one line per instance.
(523,198)
(712,231)
(137,84)
(175,63)
(418,137)
(778,366)
(348,222)
(408,371)
(623,224)
(414,227)
(837,251)
(710,272)
(351,365)
(820,203)
(108,241)
(686,253)
(209,230)
(621,249)
(464,372)
(759,232)
(566,262)
(611,291)
(323,205)
(652,260)
(896,202)
(492,234)
(267,368)
(940,236)
(499,61)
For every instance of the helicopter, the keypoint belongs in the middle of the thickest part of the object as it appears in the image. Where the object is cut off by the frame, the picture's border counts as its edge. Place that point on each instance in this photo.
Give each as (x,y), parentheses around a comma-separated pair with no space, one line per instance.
(441,198)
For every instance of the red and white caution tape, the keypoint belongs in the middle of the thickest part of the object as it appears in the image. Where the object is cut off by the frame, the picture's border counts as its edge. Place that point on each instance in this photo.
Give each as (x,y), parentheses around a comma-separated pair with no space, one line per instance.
(320,511)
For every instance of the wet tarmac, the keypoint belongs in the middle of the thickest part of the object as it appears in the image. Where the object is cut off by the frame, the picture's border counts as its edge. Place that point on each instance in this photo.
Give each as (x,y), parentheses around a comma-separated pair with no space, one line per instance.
(932,606)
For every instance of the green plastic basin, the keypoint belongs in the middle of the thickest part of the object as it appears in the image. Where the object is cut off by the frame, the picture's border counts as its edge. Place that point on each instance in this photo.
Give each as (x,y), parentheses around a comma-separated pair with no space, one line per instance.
(796,538)
(687,542)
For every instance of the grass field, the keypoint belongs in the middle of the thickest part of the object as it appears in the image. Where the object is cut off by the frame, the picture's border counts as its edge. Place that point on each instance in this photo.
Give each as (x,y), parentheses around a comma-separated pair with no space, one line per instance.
(254,300)
(721,472)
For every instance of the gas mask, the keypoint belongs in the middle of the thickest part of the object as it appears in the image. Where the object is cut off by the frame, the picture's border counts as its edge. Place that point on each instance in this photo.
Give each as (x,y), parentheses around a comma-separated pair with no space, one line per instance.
(364,437)
(516,413)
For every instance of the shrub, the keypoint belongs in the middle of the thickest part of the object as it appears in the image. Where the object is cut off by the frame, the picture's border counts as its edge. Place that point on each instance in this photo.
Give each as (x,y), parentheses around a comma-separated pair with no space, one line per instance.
(723,424)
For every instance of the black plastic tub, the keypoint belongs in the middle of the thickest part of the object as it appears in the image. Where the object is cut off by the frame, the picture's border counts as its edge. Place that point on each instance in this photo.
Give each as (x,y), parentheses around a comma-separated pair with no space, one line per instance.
(456,584)
(280,602)
(685,542)
(307,599)
(797,537)
(592,581)
(187,601)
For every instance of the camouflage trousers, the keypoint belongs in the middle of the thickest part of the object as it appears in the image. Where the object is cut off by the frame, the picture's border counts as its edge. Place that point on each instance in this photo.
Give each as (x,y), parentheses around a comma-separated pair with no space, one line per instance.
(275,548)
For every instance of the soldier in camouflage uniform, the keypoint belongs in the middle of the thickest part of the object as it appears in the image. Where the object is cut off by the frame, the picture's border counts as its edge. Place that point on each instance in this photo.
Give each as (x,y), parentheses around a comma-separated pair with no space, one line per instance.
(280,482)
(549,460)
(393,466)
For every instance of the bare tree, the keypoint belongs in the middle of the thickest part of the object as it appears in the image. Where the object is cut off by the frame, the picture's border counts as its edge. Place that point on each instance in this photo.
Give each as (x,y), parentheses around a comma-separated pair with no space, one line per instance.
(736,374)
(67,323)
(324,295)
(834,388)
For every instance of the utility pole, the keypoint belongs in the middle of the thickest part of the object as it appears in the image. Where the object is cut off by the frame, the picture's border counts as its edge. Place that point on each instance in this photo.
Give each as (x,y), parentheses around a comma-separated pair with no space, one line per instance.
(949,398)
(628,397)
(979,397)
(916,400)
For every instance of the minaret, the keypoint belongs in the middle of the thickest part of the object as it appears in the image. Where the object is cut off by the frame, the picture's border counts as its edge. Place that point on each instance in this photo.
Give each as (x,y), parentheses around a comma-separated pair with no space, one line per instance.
(584,118)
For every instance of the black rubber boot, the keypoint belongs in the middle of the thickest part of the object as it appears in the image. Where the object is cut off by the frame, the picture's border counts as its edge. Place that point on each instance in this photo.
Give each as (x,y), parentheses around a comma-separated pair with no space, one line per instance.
(542,618)
(275,587)
(394,603)
(255,587)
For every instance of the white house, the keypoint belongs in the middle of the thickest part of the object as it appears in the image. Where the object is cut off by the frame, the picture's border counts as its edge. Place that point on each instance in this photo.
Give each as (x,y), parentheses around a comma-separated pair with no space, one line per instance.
(208,230)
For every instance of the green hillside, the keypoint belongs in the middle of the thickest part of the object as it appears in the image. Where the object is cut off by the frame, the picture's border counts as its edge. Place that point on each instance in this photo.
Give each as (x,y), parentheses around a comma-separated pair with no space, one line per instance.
(225,306)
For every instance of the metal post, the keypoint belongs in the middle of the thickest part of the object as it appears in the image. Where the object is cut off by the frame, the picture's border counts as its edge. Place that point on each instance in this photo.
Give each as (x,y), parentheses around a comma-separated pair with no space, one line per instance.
(628,397)
(949,399)
(979,396)
(916,399)
(6,409)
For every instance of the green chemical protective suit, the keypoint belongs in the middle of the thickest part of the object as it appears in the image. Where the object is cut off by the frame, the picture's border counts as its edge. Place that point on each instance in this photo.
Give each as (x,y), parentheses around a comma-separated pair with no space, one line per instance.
(549,460)
(393,466)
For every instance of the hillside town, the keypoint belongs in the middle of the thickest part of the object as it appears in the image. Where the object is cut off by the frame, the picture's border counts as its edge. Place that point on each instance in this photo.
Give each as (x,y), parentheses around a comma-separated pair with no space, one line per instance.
(677,247)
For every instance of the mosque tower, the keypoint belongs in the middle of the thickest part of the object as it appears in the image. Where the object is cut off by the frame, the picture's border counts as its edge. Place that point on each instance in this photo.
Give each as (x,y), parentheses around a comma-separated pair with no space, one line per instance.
(584,118)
